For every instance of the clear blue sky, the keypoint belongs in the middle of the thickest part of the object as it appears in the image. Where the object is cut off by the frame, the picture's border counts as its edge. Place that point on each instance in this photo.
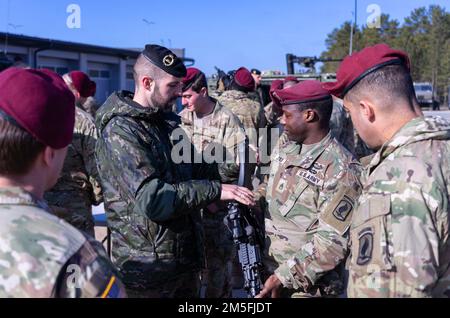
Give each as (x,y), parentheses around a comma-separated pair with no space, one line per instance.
(229,34)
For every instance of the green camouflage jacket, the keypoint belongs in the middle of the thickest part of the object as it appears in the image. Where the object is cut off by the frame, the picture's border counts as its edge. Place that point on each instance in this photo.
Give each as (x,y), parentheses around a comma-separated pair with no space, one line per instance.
(310,198)
(41,256)
(78,188)
(400,230)
(153,205)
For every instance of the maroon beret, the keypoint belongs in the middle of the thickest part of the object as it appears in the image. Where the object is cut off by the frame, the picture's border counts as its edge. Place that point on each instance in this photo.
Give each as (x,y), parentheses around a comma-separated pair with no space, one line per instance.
(244,78)
(276,85)
(291,79)
(40,102)
(357,66)
(83,84)
(304,92)
(192,75)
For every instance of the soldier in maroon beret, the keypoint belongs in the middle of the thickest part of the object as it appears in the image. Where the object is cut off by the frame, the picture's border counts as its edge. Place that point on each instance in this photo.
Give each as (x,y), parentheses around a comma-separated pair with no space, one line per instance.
(84,90)
(400,243)
(213,129)
(37,114)
(309,198)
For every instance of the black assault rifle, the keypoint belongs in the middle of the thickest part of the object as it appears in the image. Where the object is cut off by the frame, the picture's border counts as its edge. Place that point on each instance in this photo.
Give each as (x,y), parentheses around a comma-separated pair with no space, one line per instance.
(247,234)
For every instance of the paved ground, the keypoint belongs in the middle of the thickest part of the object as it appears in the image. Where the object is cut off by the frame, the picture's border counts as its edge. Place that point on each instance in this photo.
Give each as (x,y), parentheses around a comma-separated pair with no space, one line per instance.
(445,113)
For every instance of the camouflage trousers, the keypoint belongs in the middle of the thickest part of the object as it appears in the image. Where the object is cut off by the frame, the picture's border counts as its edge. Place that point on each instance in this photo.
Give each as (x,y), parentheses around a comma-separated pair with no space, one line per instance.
(220,252)
(183,286)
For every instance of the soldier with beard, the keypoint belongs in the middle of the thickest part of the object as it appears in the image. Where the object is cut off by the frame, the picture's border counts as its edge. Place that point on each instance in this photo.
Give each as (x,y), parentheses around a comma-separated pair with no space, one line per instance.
(153,204)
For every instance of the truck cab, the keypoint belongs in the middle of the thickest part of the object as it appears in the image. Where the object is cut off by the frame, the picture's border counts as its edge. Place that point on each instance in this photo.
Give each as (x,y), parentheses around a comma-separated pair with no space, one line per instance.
(425,95)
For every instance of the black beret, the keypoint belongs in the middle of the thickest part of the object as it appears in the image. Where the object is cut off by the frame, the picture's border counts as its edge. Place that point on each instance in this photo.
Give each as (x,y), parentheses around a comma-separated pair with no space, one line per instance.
(255,71)
(165,59)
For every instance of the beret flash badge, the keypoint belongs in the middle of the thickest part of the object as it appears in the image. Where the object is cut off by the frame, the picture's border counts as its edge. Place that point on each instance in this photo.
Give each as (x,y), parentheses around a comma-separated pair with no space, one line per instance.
(168,60)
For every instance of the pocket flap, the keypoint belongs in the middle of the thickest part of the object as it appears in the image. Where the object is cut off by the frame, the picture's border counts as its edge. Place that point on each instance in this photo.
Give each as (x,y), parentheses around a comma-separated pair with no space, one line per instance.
(293,198)
(377,204)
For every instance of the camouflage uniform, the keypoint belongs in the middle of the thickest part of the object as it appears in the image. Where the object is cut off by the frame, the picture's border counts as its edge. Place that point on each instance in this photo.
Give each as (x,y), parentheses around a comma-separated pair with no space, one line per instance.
(310,198)
(90,106)
(153,205)
(342,127)
(78,188)
(272,116)
(248,111)
(400,229)
(220,129)
(257,96)
(274,131)
(41,256)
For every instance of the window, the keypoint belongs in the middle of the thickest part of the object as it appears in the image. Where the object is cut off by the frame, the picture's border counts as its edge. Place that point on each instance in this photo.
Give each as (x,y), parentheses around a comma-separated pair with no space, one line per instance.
(100,74)
(94,73)
(56,69)
(105,74)
(62,70)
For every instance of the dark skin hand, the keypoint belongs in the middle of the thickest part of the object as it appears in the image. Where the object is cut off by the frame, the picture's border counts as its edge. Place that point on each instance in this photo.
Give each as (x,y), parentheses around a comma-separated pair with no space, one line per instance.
(272,288)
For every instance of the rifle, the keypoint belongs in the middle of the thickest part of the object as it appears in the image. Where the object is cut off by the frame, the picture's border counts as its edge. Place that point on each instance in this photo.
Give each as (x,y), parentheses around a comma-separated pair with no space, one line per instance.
(247,234)
(224,80)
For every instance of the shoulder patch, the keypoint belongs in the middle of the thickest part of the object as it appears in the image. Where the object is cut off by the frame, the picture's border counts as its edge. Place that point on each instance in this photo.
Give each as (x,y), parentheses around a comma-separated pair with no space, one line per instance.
(344,208)
(339,212)
(365,248)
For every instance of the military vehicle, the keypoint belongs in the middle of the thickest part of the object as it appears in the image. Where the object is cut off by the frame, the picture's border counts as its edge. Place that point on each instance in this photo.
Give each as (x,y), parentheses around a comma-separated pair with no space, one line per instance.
(425,95)
(267,77)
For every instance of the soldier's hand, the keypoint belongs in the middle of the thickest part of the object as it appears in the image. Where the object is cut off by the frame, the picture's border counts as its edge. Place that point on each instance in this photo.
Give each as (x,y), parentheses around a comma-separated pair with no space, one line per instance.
(236,193)
(272,288)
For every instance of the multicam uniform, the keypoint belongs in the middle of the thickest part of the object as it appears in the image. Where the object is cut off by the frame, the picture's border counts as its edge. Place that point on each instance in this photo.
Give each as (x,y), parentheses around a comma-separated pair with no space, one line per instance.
(310,198)
(41,256)
(78,188)
(220,131)
(90,106)
(248,111)
(400,229)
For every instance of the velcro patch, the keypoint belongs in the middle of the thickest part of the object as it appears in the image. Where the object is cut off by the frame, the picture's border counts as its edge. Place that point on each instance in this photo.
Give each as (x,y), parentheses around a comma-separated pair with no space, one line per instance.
(338,213)
(365,248)
(344,208)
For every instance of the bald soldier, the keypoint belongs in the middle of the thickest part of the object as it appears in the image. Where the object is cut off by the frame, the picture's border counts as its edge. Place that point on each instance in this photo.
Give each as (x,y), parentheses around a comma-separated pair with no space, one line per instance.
(400,229)
(41,256)
(312,189)
(153,204)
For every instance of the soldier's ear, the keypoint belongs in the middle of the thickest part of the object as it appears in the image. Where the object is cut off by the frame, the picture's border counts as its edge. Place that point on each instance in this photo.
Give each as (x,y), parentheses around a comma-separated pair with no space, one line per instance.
(204,92)
(310,115)
(367,110)
(47,155)
(147,82)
